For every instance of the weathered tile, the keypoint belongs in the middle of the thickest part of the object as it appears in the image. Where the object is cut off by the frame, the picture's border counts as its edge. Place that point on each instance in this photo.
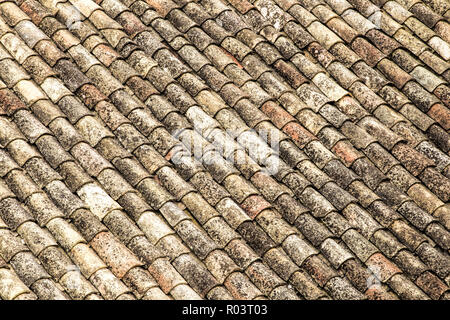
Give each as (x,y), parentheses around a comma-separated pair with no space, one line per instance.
(114,253)
(240,287)
(65,233)
(200,279)
(406,289)
(351,173)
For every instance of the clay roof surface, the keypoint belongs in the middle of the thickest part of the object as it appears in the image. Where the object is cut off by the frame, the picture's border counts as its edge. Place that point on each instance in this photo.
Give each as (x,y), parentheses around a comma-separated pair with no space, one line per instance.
(224,149)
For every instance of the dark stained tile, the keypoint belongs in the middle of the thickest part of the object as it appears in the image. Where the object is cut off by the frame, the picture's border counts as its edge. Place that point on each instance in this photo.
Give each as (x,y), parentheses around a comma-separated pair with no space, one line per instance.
(10,102)
(319,270)
(425,14)
(382,41)
(432,285)
(368,52)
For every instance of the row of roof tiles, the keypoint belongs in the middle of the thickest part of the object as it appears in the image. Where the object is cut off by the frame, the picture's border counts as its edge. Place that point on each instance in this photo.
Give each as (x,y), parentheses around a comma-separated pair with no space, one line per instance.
(364,170)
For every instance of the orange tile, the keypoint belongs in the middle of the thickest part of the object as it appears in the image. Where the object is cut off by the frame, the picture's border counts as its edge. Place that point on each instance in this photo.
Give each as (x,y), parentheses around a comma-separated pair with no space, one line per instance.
(441,114)
(242,5)
(253,205)
(345,151)
(91,95)
(298,133)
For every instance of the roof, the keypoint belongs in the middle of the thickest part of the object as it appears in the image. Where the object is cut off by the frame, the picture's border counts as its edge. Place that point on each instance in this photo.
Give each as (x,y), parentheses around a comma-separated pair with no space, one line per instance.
(224,149)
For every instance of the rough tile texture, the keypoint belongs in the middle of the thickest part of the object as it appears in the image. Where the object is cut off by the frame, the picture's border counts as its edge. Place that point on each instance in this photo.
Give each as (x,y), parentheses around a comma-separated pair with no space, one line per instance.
(224,149)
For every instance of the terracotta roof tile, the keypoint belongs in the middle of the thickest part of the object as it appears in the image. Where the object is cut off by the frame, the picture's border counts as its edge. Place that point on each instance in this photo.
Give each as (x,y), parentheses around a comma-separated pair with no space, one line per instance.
(432,285)
(323,125)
